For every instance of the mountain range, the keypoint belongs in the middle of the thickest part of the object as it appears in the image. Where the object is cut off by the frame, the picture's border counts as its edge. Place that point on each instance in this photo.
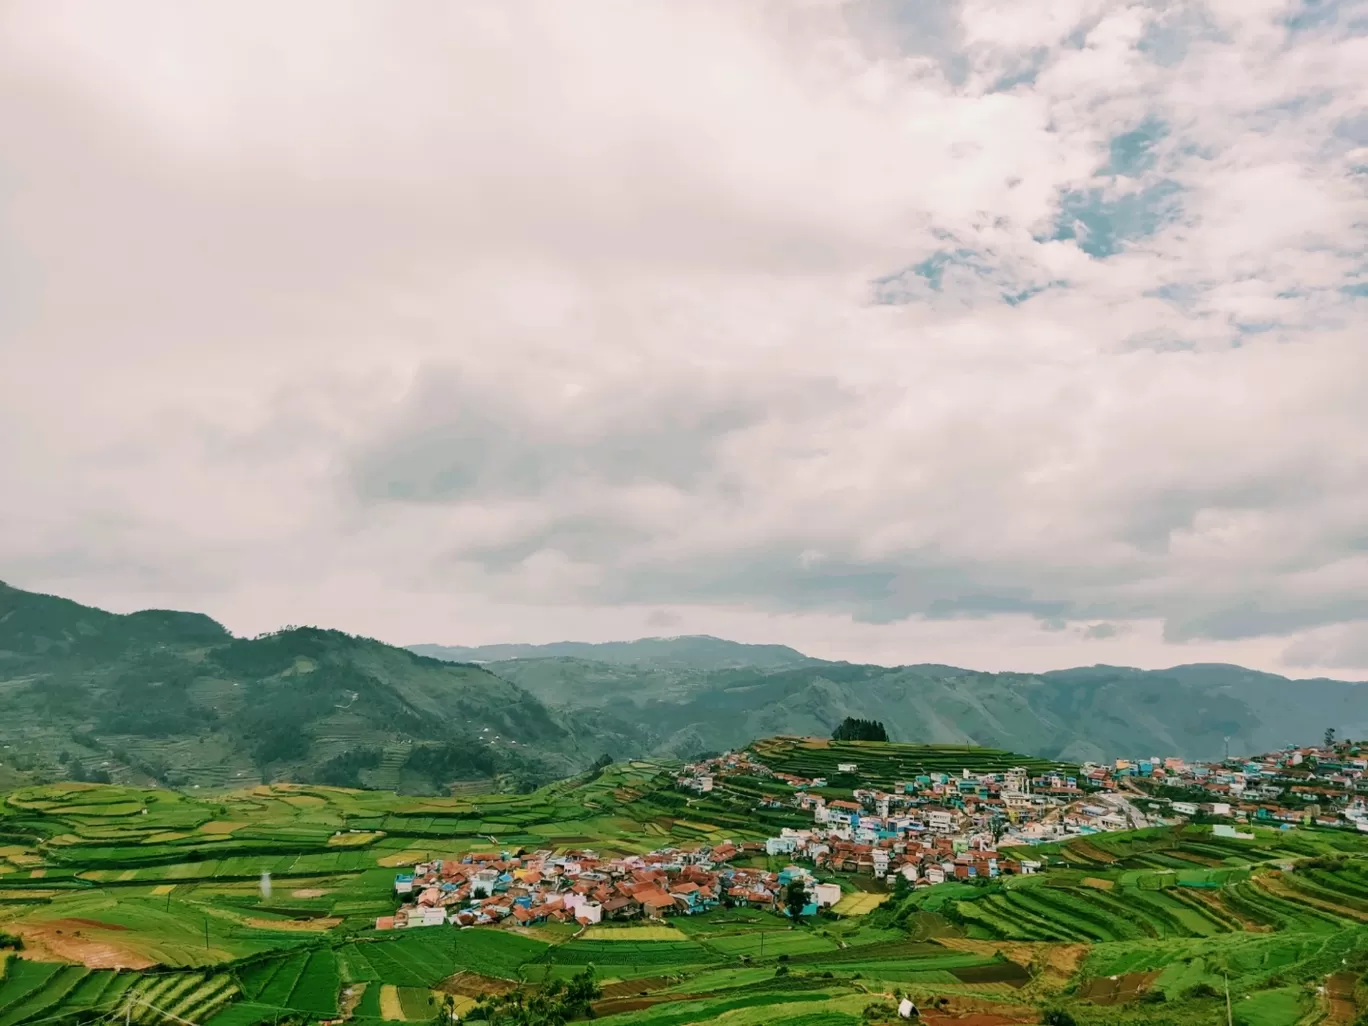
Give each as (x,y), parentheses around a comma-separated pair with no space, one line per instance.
(678,706)
(173,697)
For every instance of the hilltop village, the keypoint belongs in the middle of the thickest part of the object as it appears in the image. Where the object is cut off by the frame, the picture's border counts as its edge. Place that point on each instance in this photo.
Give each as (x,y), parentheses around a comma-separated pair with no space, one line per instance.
(920,832)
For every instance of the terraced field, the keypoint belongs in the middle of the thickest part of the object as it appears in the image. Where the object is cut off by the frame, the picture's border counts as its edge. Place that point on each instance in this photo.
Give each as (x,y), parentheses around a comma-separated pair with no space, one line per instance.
(884,763)
(149,904)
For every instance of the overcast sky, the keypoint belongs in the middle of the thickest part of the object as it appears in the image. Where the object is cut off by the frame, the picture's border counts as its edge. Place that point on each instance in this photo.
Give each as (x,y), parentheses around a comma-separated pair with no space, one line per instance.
(1013,334)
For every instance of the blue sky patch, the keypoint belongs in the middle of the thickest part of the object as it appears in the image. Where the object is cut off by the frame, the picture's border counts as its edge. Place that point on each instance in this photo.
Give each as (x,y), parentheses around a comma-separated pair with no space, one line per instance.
(1314,14)
(1103,226)
(1133,152)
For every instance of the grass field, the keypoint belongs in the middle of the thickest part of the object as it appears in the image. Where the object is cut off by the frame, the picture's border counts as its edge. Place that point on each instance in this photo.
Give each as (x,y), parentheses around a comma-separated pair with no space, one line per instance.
(858,904)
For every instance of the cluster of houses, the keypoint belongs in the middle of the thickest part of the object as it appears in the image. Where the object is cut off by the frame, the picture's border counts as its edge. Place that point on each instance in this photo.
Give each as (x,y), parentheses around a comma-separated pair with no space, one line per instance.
(579,886)
(930,829)
(919,861)
(975,809)
(1324,786)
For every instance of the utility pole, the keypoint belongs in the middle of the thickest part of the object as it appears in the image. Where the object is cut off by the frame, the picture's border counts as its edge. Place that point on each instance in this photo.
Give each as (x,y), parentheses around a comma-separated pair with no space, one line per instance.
(206,934)
(1229,1020)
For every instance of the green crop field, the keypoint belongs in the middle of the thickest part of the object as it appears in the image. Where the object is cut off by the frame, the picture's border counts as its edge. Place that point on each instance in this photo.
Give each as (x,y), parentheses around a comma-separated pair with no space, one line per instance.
(883,763)
(148,904)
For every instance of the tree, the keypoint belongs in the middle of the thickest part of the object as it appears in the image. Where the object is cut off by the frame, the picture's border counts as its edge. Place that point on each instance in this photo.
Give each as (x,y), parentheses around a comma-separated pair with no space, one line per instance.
(852,729)
(1329,737)
(555,1003)
(795,899)
(998,826)
(446,1015)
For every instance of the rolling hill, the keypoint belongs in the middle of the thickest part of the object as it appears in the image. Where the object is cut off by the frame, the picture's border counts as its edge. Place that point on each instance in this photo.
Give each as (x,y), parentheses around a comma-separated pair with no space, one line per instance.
(173,697)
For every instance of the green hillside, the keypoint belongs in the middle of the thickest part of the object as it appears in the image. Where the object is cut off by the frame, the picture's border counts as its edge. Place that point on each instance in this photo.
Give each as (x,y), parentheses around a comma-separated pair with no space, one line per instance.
(173,698)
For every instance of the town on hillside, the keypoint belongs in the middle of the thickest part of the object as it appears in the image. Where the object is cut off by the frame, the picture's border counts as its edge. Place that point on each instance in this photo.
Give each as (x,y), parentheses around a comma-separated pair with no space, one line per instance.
(927,830)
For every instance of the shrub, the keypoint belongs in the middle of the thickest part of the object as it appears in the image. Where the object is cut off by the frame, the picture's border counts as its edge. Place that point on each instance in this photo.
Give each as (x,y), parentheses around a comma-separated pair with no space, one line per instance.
(1201,990)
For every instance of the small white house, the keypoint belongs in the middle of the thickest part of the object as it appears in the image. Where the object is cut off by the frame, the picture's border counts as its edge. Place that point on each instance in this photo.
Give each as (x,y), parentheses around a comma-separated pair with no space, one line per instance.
(845,767)
(826,894)
(482,883)
(583,907)
(906,1009)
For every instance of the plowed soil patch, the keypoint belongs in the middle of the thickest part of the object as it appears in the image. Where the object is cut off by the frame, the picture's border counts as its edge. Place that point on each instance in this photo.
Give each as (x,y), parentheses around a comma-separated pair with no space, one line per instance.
(472,985)
(1056,962)
(635,1004)
(635,988)
(57,945)
(1188,856)
(1002,972)
(89,924)
(1339,993)
(1090,851)
(1275,884)
(1104,990)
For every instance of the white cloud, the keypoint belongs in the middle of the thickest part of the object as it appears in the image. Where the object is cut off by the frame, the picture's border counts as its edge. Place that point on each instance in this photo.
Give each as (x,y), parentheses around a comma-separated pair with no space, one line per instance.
(518,321)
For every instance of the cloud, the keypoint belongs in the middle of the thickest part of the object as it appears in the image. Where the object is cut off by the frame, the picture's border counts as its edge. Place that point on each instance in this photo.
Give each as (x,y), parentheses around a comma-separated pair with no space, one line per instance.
(1101,631)
(1337,647)
(889,319)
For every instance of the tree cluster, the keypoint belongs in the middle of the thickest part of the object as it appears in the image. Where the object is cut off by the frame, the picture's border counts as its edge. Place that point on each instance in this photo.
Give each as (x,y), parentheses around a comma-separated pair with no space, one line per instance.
(555,1003)
(852,729)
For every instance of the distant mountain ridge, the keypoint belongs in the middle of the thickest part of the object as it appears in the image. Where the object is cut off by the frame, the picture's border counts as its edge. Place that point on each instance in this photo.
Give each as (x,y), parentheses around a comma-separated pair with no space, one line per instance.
(174,697)
(685,652)
(1078,714)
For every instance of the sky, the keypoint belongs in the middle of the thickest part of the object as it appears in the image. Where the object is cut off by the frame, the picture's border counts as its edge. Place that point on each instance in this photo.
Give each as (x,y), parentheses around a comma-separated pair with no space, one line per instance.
(1013,335)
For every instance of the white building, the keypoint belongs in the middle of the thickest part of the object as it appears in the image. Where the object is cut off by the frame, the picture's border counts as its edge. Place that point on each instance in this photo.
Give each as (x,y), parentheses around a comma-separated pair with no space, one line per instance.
(826,894)
(942,821)
(583,907)
(482,883)
(845,767)
(781,845)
